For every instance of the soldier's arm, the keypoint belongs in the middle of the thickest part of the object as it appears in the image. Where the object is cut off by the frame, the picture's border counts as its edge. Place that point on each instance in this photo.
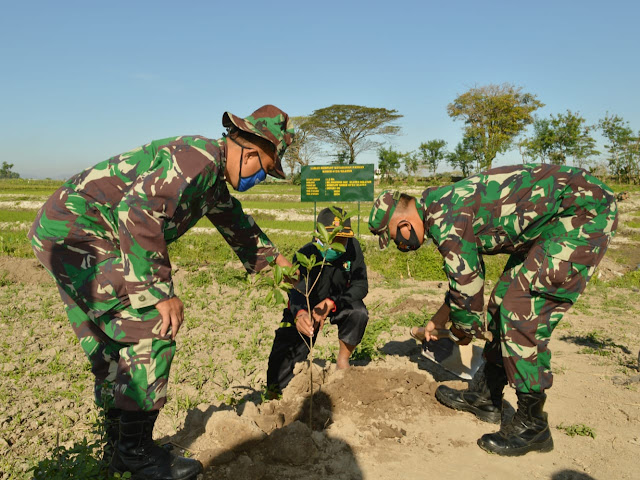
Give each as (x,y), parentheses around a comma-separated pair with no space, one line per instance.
(240,231)
(142,214)
(464,268)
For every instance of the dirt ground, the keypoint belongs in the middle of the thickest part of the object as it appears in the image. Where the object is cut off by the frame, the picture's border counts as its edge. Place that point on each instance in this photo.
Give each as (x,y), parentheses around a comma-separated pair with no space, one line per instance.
(382,421)
(378,420)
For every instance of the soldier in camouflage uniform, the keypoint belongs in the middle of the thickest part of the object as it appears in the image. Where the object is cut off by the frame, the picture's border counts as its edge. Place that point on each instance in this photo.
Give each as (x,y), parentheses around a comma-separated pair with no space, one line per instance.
(103,236)
(556,223)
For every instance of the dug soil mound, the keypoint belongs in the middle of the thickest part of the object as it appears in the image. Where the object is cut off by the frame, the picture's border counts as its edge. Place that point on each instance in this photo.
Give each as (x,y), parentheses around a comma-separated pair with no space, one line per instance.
(23,270)
(273,440)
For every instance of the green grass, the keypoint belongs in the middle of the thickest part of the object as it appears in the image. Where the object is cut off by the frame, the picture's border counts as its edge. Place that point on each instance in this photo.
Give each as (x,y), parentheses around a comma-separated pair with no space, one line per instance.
(413,319)
(622,187)
(8,215)
(628,280)
(633,224)
(194,250)
(597,343)
(15,243)
(200,279)
(267,222)
(369,347)
(81,460)
(21,186)
(272,187)
(578,429)
(595,351)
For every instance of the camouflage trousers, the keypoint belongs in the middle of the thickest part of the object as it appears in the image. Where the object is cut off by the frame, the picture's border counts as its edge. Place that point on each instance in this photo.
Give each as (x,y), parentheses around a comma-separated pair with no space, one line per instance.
(536,290)
(129,359)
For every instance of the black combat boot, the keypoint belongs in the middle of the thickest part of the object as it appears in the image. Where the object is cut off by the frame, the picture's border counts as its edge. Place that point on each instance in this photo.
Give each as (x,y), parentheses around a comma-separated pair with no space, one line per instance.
(111,433)
(483,398)
(137,453)
(528,430)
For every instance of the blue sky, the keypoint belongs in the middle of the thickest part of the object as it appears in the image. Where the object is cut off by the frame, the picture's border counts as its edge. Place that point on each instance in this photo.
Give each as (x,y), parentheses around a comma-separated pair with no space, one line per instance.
(81,80)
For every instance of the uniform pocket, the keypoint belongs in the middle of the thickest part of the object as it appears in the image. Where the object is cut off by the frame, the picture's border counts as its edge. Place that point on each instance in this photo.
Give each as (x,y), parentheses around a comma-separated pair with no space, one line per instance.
(561,280)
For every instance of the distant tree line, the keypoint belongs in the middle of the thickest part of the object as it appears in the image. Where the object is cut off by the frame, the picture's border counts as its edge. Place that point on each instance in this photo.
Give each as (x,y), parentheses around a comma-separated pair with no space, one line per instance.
(6,172)
(494,119)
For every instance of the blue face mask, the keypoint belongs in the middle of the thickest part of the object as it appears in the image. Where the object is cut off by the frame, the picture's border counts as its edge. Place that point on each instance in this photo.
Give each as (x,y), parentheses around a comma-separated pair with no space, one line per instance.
(245,183)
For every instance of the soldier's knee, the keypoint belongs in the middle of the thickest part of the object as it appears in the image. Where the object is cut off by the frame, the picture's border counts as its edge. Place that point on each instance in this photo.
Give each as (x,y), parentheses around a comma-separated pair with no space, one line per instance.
(359,316)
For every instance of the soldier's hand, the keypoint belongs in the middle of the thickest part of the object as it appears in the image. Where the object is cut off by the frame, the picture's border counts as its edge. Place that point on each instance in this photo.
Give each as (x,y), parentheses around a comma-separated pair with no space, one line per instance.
(283,262)
(437,322)
(464,339)
(321,311)
(304,324)
(172,312)
(431,331)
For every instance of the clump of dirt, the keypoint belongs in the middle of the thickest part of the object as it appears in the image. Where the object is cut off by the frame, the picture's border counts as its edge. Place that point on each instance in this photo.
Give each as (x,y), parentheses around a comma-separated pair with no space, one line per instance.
(416,305)
(273,440)
(27,271)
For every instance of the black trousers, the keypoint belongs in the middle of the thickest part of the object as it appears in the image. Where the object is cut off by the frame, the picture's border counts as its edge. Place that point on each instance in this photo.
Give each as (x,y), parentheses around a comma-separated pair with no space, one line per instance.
(289,348)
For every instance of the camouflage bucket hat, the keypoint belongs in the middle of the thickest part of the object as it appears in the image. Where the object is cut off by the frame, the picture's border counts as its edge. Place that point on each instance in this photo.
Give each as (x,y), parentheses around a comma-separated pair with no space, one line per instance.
(267,122)
(381,213)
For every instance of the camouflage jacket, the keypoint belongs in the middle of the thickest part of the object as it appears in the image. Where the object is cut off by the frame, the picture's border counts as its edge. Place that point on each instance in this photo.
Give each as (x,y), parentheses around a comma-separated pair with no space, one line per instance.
(150,196)
(505,210)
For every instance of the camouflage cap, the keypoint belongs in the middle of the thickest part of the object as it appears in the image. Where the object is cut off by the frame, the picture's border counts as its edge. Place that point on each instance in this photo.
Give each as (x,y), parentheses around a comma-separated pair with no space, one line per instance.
(381,213)
(270,123)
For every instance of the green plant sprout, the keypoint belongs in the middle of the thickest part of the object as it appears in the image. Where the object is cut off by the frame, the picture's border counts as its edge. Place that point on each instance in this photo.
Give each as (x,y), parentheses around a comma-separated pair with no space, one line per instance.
(579,429)
(286,278)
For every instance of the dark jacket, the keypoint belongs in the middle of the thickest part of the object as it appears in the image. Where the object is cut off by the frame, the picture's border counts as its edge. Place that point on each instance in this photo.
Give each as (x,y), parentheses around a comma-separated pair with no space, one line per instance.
(343,281)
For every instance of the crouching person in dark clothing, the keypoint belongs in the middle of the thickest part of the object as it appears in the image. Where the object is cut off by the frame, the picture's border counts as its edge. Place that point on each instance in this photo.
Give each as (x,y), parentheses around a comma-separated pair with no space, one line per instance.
(337,295)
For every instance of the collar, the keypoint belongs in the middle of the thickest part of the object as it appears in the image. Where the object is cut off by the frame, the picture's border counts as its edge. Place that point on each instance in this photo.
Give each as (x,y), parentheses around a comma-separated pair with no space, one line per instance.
(427,200)
(420,206)
(222,144)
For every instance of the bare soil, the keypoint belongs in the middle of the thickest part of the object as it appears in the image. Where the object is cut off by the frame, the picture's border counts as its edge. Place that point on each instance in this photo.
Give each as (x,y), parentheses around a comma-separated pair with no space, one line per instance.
(378,420)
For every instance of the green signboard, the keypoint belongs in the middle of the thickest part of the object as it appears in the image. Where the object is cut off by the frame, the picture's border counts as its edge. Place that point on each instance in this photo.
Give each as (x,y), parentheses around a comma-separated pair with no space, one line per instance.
(328,183)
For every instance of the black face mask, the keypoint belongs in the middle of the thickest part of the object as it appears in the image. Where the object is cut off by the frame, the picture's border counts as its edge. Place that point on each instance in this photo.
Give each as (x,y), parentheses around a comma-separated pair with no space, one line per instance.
(407,244)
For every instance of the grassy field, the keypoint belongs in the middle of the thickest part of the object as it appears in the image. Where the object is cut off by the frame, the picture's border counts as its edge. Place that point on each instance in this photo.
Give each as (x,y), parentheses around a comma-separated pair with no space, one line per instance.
(226,313)
(265,201)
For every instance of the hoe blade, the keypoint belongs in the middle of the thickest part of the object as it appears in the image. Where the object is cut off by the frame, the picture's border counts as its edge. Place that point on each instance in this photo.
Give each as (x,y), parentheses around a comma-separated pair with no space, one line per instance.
(462,361)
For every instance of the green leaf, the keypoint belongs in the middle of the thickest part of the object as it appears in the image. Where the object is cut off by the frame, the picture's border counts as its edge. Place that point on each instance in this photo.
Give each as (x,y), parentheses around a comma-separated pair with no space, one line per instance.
(338,247)
(323,235)
(320,248)
(336,212)
(279,297)
(277,274)
(313,261)
(334,234)
(302,260)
